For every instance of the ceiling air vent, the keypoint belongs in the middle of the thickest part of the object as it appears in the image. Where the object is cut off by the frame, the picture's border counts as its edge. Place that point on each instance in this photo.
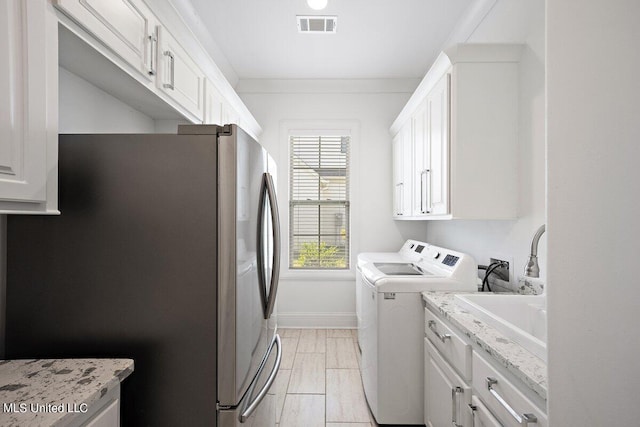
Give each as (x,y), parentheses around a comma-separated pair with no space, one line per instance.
(317,24)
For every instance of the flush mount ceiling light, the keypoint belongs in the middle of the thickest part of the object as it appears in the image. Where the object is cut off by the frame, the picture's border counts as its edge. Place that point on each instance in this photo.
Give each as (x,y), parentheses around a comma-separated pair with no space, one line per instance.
(317,4)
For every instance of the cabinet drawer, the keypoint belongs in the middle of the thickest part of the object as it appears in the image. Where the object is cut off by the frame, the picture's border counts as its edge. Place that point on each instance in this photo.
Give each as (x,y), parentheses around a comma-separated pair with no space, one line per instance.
(502,397)
(107,417)
(451,345)
(480,414)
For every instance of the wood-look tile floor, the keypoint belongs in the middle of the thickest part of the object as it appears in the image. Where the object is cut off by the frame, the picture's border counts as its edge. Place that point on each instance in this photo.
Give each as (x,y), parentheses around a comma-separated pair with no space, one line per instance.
(319,381)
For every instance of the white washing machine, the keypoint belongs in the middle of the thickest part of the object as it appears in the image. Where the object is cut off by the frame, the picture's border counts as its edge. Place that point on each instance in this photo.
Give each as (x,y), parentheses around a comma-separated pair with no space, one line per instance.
(391,322)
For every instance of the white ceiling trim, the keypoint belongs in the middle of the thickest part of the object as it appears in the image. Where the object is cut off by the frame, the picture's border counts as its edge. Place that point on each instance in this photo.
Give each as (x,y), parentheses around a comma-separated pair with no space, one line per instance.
(327,86)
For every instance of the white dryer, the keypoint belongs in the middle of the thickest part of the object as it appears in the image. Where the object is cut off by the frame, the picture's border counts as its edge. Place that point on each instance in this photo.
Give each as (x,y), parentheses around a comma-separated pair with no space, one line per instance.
(391,322)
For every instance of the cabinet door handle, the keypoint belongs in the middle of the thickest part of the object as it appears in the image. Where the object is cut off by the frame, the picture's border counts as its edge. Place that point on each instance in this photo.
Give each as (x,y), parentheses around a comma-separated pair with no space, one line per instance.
(153,40)
(400,189)
(524,419)
(441,337)
(424,192)
(455,391)
(473,409)
(427,174)
(422,209)
(173,70)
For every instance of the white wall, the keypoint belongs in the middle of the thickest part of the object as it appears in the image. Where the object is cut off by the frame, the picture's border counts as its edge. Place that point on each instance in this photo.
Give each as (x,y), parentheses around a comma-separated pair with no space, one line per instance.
(86,109)
(372,105)
(593,134)
(521,22)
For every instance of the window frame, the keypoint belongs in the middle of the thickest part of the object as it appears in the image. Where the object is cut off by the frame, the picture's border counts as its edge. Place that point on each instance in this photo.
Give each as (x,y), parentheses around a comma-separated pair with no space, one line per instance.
(343,202)
(290,128)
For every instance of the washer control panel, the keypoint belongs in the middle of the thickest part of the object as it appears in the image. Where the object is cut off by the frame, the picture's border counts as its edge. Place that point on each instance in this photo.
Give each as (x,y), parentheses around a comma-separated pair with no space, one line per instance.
(450,260)
(435,256)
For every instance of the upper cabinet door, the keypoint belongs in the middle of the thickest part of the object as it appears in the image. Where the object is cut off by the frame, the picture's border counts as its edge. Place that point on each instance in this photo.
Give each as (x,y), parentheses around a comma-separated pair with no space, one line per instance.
(179,76)
(402,171)
(229,115)
(213,101)
(437,177)
(396,153)
(24,114)
(420,160)
(125,26)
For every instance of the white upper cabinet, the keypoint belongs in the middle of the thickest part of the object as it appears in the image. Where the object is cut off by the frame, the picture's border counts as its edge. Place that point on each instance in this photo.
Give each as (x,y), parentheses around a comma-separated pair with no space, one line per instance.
(213,101)
(217,110)
(122,47)
(402,185)
(154,46)
(179,77)
(229,114)
(464,120)
(127,27)
(420,162)
(436,186)
(28,107)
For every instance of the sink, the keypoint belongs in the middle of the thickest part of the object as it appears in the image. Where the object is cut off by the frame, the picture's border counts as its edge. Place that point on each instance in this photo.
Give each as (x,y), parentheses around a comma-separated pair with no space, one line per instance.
(521,318)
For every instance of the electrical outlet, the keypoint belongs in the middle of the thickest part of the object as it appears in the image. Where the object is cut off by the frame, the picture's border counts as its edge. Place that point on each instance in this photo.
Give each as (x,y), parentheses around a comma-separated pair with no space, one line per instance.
(502,273)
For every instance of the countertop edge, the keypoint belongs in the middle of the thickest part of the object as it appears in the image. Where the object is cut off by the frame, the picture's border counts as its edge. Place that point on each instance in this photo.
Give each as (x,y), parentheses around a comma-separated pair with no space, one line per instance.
(518,361)
(72,382)
(118,377)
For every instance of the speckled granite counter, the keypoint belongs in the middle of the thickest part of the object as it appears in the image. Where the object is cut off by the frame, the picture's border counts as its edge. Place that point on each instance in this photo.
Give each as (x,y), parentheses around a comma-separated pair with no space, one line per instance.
(50,392)
(521,363)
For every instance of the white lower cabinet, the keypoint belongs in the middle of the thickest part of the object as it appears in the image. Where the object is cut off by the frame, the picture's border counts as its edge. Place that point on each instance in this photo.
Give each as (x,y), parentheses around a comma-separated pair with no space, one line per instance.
(103,413)
(447,396)
(464,387)
(108,417)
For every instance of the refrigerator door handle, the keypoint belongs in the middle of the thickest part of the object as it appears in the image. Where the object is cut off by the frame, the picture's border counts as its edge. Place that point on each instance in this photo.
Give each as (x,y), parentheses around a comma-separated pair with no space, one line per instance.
(268,190)
(275,220)
(260,246)
(251,406)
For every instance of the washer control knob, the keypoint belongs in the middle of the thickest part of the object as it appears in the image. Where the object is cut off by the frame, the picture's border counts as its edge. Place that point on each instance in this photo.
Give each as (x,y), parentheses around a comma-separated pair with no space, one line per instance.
(436,255)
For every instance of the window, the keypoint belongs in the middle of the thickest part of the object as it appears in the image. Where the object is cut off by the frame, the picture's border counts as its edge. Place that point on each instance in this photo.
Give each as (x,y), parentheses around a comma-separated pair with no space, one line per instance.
(319,204)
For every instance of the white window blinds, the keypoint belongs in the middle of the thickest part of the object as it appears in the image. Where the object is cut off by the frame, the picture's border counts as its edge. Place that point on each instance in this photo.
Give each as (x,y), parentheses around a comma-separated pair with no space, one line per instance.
(319,205)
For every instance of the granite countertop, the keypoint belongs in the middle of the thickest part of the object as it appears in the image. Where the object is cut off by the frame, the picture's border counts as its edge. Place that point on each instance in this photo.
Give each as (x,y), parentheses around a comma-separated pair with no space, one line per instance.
(523,364)
(50,392)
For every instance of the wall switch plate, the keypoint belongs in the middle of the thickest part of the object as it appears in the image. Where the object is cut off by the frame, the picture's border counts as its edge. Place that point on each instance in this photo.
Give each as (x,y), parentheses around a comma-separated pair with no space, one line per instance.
(503,273)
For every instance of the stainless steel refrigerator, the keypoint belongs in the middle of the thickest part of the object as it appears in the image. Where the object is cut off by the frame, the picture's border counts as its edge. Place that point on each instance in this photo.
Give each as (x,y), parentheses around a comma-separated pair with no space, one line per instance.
(167,251)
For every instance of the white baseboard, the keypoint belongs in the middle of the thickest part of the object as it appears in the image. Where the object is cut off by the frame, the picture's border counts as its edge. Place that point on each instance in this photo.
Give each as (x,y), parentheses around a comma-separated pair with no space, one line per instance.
(316,320)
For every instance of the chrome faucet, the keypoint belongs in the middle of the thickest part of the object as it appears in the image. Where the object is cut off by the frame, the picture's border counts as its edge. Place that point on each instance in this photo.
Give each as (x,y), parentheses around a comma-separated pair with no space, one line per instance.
(532,269)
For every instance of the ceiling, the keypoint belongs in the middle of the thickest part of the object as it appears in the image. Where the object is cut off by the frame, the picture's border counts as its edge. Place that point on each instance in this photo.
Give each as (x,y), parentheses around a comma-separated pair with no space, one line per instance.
(374,39)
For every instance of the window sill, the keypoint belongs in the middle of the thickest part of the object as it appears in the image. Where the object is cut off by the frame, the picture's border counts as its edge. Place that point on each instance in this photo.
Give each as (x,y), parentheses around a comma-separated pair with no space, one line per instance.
(318,275)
